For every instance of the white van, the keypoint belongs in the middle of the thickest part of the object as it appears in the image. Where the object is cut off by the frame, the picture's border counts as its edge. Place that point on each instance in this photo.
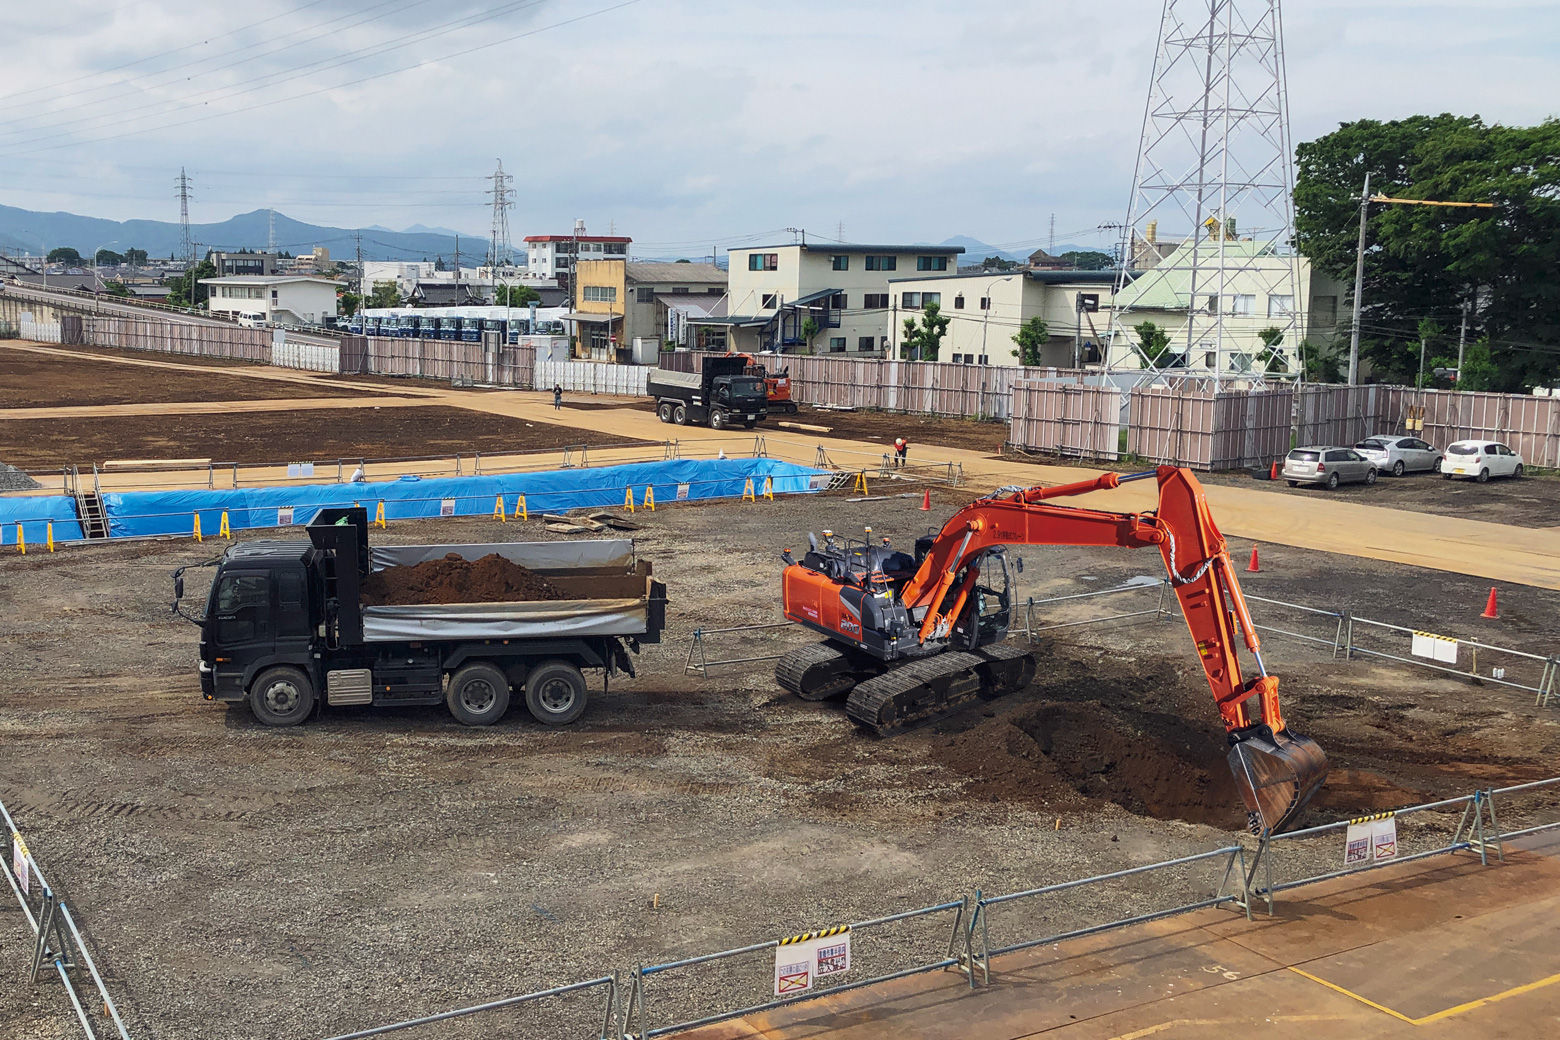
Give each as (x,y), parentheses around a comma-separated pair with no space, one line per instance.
(251,321)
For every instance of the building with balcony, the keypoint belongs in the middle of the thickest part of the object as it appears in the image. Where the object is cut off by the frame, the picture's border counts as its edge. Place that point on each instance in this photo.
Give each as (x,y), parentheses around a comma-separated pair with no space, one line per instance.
(243,263)
(283,299)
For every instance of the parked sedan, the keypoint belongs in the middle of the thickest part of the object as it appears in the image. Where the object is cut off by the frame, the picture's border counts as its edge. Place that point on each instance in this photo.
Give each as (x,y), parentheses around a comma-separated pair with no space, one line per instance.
(1328,465)
(1398,455)
(1480,460)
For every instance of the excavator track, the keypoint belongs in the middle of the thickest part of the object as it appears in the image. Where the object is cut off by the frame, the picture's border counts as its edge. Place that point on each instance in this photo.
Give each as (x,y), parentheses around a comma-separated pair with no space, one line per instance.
(915,692)
(817,672)
(1007,669)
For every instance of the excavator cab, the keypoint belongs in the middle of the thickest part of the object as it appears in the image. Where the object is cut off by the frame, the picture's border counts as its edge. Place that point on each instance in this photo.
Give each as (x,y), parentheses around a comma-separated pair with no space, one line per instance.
(988,611)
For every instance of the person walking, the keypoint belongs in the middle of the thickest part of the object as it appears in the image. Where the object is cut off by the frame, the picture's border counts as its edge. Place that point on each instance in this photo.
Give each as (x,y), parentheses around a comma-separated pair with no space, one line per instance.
(901,446)
(557,397)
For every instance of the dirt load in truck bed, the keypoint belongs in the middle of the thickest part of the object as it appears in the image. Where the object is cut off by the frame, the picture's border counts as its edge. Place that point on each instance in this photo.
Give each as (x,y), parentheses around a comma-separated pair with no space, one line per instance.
(492,579)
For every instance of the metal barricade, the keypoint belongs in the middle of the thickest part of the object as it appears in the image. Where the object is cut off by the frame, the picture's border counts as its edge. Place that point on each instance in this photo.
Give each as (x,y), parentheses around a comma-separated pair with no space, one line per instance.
(1233,859)
(1508,793)
(609,982)
(637,1019)
(1158,610)
(57,941)
(696,648)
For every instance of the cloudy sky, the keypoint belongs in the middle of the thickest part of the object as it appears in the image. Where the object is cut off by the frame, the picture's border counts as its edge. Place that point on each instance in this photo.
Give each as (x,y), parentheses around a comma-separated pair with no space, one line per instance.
(684,123)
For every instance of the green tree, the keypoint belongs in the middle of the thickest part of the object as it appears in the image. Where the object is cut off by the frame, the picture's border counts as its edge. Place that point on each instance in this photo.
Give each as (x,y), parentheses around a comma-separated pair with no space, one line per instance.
(438,264)
(1427,261)
(997,263)
(922,341)
(109,258)
(1030,337)
(1478,368)
(516,296)
(1154,341)
(1273,362)
(116,289)
(348,302)
(810,329)
(135,256)
(1088,259)
(384,294)
(63,255)
(1323,364)
(185,289)
(1429,336)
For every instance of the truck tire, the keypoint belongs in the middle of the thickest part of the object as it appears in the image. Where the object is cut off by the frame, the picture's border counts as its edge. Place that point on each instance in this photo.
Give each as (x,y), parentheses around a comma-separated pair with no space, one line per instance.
(663,411)
(717,420)
(680,415)
(478,694)
(555,693)
(281,696)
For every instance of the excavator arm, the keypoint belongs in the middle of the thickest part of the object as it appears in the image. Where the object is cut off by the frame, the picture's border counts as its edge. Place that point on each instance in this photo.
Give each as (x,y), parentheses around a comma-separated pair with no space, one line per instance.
(1277,771)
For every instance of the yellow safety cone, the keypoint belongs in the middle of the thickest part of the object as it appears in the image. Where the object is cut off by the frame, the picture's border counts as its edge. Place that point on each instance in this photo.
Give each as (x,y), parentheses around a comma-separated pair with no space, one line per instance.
(747,491)
(769,488)
(628,499)
(379,514)
(196,532)
(498,509)
(520,509)
(649,499)
(49,533)
(223,530)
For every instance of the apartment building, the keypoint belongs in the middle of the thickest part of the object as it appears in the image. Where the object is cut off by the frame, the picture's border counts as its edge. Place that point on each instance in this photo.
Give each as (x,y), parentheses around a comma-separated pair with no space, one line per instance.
(550,257)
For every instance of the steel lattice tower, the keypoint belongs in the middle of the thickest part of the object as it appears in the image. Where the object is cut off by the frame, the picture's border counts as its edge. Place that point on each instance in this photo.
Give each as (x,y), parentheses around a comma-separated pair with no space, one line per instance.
(186,246)
(1207,250)
(503,196)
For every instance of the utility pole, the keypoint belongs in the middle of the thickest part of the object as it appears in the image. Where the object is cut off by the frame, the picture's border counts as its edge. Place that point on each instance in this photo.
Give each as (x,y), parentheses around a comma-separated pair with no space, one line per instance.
(1420,385)
(185,245)
(359,237)
(1359,285)
(1462,340)
(1050,242)
(270,231)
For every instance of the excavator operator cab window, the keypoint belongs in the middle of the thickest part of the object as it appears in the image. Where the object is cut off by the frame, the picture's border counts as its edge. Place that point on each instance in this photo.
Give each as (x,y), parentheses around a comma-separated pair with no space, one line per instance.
(992,600)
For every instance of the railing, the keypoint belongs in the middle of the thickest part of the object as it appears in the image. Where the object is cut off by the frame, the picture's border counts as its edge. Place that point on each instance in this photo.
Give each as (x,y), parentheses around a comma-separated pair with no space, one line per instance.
(607,982)
(697,647)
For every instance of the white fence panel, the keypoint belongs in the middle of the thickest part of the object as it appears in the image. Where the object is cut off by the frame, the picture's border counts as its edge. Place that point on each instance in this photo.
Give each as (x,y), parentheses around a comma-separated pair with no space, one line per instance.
(315,357)
(591,377)
(39,331)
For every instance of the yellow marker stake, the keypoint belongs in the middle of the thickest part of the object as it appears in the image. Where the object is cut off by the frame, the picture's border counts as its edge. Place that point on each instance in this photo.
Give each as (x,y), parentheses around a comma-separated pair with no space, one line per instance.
(861,483)
(21,540)
(196,532)
(223,530)
(379,514)
(498,509)
(49,531)
(747,491)
(769,488)
(520,509)
(628,499)
(649,499)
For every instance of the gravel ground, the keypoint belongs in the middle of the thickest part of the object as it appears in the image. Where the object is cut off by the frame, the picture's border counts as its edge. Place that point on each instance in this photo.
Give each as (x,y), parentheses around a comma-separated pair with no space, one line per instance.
(240,882)
(13,479)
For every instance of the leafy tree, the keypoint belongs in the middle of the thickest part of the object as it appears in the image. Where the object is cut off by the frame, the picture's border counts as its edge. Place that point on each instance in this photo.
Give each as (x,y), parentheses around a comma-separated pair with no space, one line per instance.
(922,341)
(1030,337)
(516,296)
(1269,357)
(1088,259)
(63,255)
(438,264)
(185,289)
(1154,341)
(1324,364)
(1479,371)
(135,256)
(1429,333)
(348,302)
(384,294)
(116,289)
(1427,261)
(109,258)
(810,329)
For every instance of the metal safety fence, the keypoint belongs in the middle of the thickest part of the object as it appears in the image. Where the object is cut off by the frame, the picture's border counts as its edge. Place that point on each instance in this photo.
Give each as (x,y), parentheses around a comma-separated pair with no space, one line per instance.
(550,997)
(698,662)
(57,942)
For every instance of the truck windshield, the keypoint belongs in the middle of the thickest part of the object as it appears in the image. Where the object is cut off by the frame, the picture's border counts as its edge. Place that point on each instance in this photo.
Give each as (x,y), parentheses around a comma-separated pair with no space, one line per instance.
(746,387)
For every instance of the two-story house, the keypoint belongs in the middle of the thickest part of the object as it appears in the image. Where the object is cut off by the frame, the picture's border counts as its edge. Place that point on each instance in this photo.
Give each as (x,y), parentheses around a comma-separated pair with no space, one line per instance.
(618,303)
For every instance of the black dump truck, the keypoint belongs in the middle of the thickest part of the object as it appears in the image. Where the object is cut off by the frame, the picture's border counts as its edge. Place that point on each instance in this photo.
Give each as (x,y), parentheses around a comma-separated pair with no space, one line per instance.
(285,627)
(721,395)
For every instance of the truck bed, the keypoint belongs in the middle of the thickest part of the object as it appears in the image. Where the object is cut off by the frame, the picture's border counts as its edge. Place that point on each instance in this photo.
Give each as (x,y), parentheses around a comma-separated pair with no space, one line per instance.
(611,594)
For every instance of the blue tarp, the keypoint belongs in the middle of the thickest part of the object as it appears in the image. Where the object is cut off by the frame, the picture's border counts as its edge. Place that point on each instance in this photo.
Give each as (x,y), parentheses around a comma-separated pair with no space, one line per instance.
(555,491)
(34,512)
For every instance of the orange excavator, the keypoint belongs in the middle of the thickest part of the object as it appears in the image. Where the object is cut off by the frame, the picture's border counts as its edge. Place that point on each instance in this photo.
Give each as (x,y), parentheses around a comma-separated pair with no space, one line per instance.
(909,638)
(777,386)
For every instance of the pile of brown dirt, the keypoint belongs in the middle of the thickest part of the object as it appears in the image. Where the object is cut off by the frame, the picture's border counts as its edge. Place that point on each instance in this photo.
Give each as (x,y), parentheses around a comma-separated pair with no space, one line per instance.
(492,579)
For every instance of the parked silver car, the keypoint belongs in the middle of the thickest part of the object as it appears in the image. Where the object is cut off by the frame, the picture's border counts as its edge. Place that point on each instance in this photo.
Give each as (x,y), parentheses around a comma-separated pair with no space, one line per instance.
(1395,454)
(1329,465)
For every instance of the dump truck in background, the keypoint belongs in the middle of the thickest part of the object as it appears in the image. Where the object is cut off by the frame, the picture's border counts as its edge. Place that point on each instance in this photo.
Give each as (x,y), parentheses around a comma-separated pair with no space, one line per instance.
(287,629)
(721,394)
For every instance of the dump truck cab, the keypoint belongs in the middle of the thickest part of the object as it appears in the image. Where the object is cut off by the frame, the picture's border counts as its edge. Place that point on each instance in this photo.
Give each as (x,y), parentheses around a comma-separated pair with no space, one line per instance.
(263,609)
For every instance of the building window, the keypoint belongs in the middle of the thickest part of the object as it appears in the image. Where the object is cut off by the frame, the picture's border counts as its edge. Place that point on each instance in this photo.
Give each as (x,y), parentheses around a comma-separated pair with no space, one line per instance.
(985,359)
(837,301)
(763,261)
(1324,309)
(1281,306)
(1211,303)
(842,263)
(882,263)
(985,303)
(1244,304)
(836,344)
(958,302)
(600,294)
(617,249)
(931,263)
(910,301)
(680,290)
(927,299)
(875,301)
(767,301)
(866,342)
(645,294)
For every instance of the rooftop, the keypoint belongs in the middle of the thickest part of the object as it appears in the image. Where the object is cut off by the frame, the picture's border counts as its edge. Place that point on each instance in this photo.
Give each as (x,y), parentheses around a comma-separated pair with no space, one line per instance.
(267,279)
(582,238)
(852,247)
(657,271)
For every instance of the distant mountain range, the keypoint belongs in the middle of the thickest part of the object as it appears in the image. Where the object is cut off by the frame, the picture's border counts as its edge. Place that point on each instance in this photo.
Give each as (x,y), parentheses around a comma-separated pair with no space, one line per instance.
(30,231)
(975,250)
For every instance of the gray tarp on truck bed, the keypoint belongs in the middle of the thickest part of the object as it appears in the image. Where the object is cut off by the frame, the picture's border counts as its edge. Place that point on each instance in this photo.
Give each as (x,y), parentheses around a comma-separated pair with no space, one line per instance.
(614,594)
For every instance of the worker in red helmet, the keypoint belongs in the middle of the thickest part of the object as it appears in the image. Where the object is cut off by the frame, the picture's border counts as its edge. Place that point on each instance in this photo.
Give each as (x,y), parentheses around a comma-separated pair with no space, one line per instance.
(901,446)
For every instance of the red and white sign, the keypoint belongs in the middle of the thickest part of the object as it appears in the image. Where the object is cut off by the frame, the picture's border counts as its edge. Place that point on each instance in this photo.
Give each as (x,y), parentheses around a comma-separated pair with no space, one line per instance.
(19,860)
(793,971)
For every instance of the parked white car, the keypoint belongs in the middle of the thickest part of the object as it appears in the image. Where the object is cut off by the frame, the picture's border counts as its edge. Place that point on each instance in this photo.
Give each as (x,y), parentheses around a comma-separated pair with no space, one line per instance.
(1480,460)
(1397,455)
(251,321)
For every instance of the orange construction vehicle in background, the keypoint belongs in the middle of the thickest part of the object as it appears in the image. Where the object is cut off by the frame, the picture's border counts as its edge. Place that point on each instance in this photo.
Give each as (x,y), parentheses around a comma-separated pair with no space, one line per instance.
(908,638)
(777,385)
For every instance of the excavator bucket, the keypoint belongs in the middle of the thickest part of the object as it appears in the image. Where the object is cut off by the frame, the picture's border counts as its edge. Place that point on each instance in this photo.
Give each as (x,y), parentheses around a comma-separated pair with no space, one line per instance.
(1277,778)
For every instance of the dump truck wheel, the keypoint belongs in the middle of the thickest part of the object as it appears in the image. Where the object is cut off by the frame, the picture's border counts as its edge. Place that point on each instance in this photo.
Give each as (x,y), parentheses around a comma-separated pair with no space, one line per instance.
(281,696)
(664,411)
(555,693)
(478,694)
(717,420)
(680,415)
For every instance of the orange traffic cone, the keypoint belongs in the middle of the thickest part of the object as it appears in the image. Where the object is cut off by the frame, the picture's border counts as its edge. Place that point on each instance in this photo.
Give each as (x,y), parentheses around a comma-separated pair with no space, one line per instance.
(1252,566)
(1490,609)
(1273,471)
(926,501)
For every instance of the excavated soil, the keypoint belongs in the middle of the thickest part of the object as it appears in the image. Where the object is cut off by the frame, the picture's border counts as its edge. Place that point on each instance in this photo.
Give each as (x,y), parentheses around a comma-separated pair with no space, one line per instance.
(491,579)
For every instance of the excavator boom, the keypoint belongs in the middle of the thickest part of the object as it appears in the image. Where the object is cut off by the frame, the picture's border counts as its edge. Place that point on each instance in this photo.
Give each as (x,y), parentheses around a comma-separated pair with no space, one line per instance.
(879,608)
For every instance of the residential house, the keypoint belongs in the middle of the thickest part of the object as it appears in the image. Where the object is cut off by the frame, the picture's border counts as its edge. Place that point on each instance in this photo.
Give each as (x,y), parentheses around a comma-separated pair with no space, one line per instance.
(243,262)
(624,311)
(774,290)
(282,299)
(444,294)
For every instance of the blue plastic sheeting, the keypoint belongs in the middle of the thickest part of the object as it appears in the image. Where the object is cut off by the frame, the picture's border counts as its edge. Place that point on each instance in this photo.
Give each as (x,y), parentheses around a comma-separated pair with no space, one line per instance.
(34,512)
(135,513)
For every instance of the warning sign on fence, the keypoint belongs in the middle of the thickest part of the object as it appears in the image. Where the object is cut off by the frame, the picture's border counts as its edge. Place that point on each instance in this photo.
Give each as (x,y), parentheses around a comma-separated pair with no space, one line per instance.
(1371,839)
(1437,648)
(682,492)
(19,860)
(792,975)
(800,961)
(446,507)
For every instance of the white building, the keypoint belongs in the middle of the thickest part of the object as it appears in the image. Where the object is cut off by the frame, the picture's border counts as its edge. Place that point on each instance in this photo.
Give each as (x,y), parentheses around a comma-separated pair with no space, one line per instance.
(549,256)
(280,299)
(773,290)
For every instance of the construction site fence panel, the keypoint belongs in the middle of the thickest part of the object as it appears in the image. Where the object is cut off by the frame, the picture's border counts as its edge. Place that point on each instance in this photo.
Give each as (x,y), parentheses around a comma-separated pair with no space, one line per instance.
(184,338)
(589,377)
(1067,419)
(149,513)
(289,351)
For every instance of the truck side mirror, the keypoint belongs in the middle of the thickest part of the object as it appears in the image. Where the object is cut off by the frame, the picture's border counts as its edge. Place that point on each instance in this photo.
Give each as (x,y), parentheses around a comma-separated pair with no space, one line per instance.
(178,586)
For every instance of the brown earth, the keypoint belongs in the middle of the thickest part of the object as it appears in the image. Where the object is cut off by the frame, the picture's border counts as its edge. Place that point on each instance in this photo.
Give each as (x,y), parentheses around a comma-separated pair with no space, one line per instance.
(277,437)
(29,380)
(884,427)
(454,579)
